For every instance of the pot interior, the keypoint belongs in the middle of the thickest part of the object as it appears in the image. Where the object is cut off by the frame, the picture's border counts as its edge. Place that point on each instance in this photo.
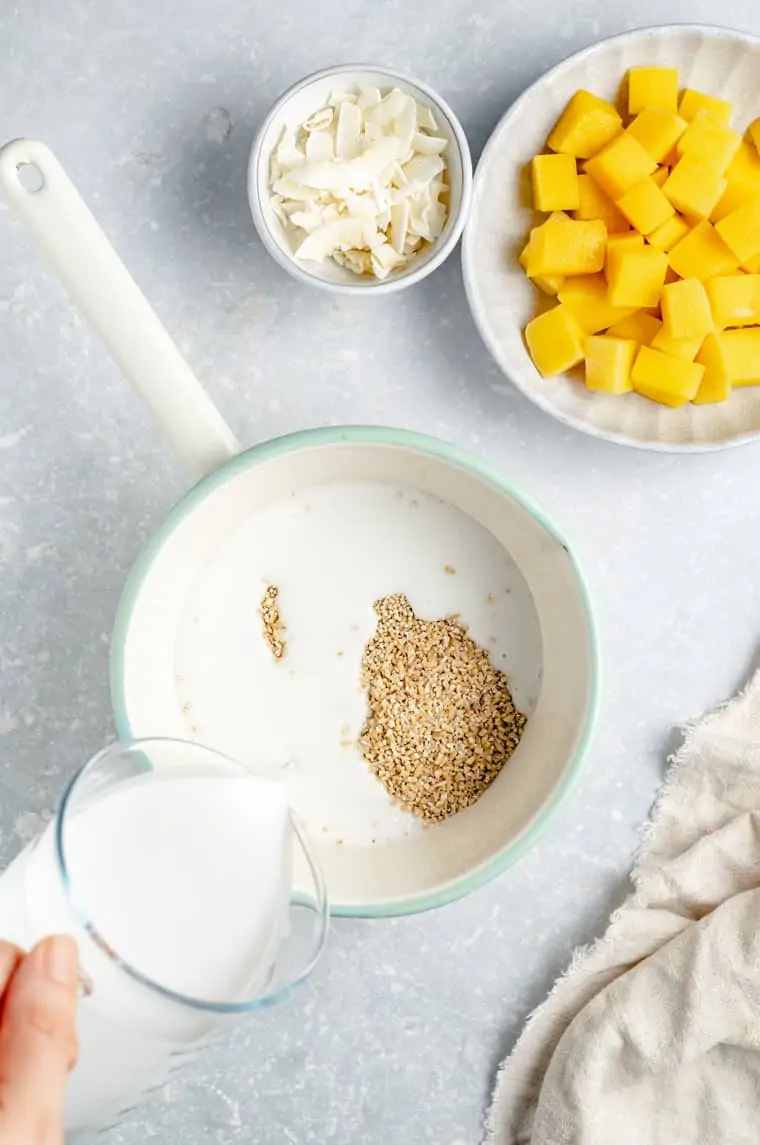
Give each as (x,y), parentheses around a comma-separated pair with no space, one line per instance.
(334,527)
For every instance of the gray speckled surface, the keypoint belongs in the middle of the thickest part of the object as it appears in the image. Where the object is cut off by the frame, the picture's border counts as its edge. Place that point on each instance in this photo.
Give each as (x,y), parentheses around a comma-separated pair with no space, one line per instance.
(398,1034)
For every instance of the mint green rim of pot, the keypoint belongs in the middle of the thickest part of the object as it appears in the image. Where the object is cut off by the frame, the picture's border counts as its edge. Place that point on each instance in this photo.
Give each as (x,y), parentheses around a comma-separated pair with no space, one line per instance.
(404,439)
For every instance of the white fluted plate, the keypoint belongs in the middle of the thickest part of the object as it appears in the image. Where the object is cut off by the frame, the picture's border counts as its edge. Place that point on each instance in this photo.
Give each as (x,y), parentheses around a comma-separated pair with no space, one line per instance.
(722,62)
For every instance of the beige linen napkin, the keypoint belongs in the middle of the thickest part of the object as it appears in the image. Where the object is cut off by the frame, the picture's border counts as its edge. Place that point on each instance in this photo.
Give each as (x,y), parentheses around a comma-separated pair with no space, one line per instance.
(653,1035)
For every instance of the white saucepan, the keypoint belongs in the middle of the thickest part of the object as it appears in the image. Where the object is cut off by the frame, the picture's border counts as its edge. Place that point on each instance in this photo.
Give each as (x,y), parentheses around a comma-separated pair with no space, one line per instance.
(335,518)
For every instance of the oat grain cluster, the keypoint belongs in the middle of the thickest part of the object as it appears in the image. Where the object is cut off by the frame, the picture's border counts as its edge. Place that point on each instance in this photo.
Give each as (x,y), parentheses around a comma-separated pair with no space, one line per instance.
(441,721)
(271,621)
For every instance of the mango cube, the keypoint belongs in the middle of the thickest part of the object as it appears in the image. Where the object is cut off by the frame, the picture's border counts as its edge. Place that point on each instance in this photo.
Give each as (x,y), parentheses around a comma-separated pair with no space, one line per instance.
(735,299)
(615,243)
(554,179)
(594,204)
(652,87)
(693,188)
(645,206)
(555,341)
(741,230)
(640,327)
(754,132)
(711,142)
(567,246)
(686,348)
(585,126)
(669,233)
(657,131)
(752,265)
(743,179)
(636,277)
(660,176)
(693,102)
(741,354)
(686,310)
(702,254)
(585,296)
(620,165)
(665,379)
(716,384)
(608,364)
(550,285)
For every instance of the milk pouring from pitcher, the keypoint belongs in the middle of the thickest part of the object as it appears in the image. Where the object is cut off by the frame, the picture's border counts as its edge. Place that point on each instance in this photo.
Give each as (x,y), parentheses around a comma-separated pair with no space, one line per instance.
(173,867)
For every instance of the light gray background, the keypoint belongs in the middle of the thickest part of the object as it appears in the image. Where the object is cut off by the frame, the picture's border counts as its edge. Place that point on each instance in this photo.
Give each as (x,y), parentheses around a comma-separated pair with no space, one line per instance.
(397,1037)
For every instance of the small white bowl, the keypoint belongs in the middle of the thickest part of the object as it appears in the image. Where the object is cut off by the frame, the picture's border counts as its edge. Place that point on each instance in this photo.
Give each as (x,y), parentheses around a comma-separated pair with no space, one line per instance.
(295,106)
(722,62)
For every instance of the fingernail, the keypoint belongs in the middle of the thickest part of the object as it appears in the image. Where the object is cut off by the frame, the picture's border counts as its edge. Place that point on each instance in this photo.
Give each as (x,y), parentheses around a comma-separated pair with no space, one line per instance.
(60,959)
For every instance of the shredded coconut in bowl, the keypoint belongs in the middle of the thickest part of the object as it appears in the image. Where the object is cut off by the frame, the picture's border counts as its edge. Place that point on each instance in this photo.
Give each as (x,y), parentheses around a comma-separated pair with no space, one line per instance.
(363,181)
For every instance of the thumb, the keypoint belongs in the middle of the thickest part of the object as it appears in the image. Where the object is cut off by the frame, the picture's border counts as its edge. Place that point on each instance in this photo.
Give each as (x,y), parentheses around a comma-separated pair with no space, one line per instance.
(38,1042)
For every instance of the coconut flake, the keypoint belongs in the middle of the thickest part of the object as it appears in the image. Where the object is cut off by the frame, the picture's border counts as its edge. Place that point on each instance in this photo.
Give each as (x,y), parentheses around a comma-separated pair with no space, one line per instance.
(320,146)
(399,225)
(343,234)
(425,118)
(428,144)
(349,131)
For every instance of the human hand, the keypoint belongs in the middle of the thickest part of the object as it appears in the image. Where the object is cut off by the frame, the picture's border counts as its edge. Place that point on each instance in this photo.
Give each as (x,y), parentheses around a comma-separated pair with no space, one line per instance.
(38,999)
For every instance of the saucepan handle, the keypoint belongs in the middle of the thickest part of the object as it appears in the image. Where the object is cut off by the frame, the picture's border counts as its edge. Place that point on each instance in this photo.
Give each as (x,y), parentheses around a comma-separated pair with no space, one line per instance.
(46,201)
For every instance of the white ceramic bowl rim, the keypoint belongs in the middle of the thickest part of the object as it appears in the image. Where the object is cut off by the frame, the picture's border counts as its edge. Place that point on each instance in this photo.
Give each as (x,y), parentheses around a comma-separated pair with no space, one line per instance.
(443,246)
(493,142)
(367,435)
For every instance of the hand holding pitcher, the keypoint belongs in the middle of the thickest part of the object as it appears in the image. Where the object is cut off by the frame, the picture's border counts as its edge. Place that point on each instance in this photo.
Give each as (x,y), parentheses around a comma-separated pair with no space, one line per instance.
(38,1045)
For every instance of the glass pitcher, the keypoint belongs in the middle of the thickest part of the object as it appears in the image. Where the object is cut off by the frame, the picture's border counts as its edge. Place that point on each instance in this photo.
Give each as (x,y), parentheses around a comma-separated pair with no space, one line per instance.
(195,898)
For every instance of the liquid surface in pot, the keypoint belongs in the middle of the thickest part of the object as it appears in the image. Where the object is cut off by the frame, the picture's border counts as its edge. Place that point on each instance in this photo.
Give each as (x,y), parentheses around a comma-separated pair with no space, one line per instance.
(331,551)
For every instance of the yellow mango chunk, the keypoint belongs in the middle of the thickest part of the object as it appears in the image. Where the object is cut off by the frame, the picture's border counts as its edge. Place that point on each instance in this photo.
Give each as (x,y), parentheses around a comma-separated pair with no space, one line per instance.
(743,179)
(716,384)
(608,364)
(645,206)
(752,265)
(686,348)
(636,277)
(640,327)
(686,310)
(549,284)
(665,379)
(594,204)
(586,298)
(711,142)
(693,188)
(660,176)
(735,299)
(652,87)
(693,102)
(620,165)
(555,341)
(669,233)
(741,353)
(546,283)
(754,132)
(615,243)
(585,126)
(741,230)
(554,179)
(702,254)
(657,131)
(566,247)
